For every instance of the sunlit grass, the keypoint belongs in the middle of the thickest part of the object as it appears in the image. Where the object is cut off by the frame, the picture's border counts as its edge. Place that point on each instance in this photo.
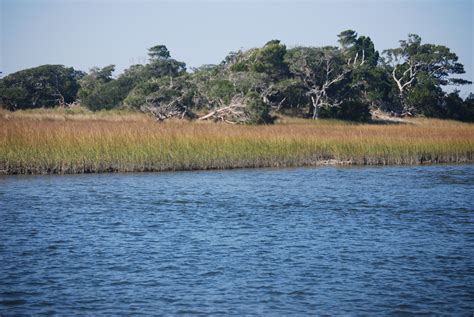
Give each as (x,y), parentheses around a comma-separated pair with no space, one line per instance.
(59,142)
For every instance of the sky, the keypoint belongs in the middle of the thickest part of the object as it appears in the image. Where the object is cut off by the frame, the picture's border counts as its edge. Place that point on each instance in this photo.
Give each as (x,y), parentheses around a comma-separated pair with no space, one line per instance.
(88,33)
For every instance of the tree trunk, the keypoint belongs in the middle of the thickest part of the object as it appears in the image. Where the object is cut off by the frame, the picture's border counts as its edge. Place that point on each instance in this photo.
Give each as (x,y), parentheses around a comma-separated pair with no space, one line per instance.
(402,101)
(405,107)
(314,111)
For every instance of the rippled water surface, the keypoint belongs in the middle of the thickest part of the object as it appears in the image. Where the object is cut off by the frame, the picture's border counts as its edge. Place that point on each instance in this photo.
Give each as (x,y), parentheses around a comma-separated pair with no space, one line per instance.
(389,240)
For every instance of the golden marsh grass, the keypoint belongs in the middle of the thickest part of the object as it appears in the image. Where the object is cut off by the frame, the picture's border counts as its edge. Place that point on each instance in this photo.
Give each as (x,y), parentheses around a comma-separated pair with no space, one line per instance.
(80,142)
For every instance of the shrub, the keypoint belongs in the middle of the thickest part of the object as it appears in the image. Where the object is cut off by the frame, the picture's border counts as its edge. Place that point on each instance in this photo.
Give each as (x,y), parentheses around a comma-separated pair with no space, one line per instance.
(258,111)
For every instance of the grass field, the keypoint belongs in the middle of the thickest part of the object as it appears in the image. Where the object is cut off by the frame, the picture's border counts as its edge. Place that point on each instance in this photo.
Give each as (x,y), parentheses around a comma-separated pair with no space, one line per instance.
(76,141)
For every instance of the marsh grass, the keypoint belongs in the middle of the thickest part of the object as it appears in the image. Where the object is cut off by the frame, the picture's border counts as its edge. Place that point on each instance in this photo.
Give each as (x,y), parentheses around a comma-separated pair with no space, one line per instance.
(40,142)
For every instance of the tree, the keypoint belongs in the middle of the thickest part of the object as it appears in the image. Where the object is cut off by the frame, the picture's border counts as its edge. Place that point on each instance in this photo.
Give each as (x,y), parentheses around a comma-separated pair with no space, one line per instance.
(217,85)
(258,70)
(270,59)
(347,38)
(320,69)
(42,86)
(358,49)
(161,64)
(344,82)
(169,67)
(426,97)
(257,111)
(212,87)
(160,87)
(353,110)
(412,59)
(163,100)
(456,108)
(467,113)
(287,96)
(158,52)
(369,86)
(249,109)
(99,90)
(136,98)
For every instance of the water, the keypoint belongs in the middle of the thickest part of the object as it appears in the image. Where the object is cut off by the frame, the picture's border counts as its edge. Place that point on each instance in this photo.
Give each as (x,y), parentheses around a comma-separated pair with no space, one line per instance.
(392,240)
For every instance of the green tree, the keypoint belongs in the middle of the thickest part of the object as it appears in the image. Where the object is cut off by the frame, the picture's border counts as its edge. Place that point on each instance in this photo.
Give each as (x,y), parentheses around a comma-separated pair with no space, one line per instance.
(212,89)
(347,38)
(358,49)
(426,97)
(412,59)
(458,109)
(468,109)
(137,96)
(287,96)
(323,71)
(99,90)
(353,110)
(270,59)
(160,92)
(147,83)
(158,52)
(42,86)
(257,111)
(367,84)
(161,64)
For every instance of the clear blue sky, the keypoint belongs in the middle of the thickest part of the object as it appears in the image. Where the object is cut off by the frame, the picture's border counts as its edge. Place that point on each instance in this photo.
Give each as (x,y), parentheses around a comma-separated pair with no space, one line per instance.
(89,33)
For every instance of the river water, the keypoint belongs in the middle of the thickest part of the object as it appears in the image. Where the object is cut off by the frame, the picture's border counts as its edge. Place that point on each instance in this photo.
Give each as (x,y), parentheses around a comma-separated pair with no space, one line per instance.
(357,241)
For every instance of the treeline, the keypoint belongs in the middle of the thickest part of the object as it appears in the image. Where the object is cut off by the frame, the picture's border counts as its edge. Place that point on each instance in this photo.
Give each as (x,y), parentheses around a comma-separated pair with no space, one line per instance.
(345,82)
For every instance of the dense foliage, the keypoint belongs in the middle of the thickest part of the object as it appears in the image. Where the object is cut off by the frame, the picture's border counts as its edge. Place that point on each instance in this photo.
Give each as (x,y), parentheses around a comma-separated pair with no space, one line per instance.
(42,86)
(345,82)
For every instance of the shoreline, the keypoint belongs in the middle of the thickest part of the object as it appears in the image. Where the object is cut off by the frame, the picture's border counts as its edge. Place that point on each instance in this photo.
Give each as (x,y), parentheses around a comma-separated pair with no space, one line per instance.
(151,169)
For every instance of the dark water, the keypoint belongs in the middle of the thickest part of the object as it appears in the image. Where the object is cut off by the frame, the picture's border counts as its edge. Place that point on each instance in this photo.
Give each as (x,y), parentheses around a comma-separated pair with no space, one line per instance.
(393,240)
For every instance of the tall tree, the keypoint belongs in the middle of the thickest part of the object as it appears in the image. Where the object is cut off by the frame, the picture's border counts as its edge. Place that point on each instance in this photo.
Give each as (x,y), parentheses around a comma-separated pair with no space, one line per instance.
(367,81)
(99,90)
(321,70)
(360,49)
(347,38)
(42,86)
(161,64)
(159,52)
(270,59)
(413,58)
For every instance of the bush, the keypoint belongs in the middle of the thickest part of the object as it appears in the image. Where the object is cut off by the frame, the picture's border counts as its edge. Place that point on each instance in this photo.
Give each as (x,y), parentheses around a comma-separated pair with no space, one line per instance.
(137,97)
(258,111)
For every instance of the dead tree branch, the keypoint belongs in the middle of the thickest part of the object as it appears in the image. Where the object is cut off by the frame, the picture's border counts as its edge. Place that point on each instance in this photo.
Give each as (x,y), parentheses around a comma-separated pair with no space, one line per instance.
(173,109)
(234,113)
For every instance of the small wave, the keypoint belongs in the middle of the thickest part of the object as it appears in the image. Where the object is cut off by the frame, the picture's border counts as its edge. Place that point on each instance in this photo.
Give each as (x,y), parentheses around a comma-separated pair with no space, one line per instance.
(12,302)
(210,273)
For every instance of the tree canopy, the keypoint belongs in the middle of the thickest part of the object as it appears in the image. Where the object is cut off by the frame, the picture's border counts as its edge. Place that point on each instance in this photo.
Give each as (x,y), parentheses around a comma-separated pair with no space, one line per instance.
(415,65)
(42,86)
(345,82)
